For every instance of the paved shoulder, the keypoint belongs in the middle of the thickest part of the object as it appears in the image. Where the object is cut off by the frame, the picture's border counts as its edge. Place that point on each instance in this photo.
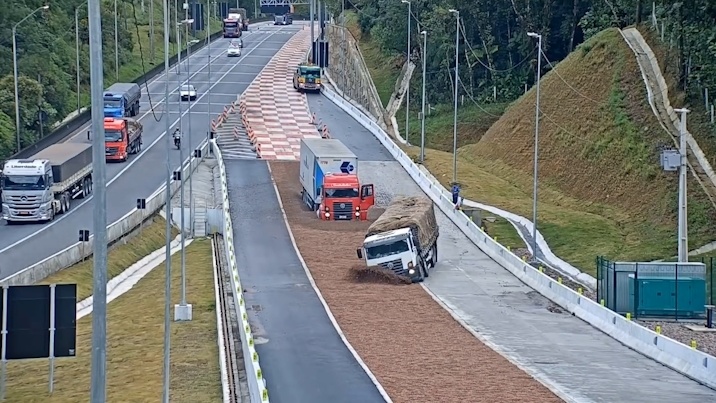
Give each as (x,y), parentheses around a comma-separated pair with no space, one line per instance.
(302,355)
(557,347)
(343,127)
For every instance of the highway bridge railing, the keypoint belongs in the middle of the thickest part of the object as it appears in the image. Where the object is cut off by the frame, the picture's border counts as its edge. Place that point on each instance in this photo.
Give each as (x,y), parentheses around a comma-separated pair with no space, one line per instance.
(256,381)
(115,231)
(690,362)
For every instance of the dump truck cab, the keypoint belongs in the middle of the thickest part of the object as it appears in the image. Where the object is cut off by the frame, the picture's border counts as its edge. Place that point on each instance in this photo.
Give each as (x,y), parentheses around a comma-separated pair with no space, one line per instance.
(344,198)
(307,77)
(403,239)
(122,137)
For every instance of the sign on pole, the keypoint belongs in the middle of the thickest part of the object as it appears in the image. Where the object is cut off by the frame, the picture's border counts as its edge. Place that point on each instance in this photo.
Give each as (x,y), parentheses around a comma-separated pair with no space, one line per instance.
(38,321)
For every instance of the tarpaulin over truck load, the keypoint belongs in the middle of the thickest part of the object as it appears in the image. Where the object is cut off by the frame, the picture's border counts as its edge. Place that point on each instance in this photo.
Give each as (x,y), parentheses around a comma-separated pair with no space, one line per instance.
(416,213)
(66,159)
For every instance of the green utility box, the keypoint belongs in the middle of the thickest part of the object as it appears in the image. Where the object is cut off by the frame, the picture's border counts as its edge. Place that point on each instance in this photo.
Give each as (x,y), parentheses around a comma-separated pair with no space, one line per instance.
(667,297)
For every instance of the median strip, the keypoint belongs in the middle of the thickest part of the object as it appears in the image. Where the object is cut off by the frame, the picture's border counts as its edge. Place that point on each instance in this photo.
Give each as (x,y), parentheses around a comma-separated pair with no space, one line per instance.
(135,332)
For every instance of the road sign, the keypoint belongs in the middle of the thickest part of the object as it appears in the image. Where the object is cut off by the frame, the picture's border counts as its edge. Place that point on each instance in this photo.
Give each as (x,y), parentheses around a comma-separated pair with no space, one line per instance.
(347,167)
(38,321)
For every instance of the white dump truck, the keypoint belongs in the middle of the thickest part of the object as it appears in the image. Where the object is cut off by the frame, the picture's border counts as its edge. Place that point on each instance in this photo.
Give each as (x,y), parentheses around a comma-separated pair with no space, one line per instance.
(44,185)
(404,239)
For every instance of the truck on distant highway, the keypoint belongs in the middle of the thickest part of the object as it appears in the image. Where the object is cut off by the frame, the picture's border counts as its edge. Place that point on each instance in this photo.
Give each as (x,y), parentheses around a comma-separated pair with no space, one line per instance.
(122,137)
(44,185)
(330,183)
(122,99)
(231,28)
(404,239)
(239,14)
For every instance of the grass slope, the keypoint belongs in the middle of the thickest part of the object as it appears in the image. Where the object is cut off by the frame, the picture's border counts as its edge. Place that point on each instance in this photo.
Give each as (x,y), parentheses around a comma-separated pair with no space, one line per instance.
(134,344)
(121,255)
(601,188)
(384,69)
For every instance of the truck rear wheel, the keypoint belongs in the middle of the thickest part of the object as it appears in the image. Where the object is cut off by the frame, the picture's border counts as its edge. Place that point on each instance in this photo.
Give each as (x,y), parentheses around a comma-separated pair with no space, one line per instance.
(434,259)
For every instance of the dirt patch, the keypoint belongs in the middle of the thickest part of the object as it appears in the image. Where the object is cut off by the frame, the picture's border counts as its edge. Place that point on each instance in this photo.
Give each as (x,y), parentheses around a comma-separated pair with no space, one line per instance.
(375,274)
(418,352)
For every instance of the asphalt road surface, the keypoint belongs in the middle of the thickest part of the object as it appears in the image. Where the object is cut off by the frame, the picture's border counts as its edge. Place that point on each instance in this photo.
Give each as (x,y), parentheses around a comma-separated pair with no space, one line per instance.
(26,244)
(569,353)
(302,356)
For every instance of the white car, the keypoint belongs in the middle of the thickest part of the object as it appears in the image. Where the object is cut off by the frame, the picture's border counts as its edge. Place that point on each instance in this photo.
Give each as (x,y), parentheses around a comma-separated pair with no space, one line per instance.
(235,48)
(187,91)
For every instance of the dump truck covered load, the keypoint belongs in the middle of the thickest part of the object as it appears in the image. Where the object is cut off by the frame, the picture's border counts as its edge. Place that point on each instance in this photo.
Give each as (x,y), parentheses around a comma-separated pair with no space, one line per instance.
(416,213)
(66,159)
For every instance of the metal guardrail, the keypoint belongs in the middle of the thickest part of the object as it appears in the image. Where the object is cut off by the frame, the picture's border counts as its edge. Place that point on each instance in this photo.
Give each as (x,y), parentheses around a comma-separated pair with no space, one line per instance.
(694,364)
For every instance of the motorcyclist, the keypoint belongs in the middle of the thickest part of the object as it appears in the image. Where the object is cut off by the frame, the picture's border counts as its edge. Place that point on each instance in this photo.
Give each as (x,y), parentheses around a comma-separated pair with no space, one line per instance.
(177,137)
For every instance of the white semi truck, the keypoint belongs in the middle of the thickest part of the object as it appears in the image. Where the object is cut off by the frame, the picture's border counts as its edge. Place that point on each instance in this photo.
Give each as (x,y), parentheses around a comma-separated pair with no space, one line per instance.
(404,239)
(44,185)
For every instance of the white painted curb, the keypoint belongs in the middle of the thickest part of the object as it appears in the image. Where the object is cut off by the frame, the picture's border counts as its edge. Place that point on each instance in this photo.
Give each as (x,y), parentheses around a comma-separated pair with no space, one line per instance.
(254,376)
(680,357)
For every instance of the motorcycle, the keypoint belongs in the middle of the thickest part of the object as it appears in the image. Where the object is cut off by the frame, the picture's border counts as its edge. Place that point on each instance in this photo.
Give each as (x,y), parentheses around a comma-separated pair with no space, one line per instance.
(177,140)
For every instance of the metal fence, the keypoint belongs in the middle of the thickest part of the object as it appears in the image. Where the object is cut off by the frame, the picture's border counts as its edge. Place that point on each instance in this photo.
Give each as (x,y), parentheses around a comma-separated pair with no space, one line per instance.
(665,290)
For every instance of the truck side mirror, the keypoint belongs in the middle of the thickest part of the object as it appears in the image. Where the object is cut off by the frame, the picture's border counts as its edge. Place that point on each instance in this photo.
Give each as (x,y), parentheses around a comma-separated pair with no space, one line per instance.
(359,252)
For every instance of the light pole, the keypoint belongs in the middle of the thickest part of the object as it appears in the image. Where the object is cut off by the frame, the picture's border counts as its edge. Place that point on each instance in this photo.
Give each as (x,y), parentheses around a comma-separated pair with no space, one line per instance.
(311,5)
(77,51)
(407,89)
(536,156)
(457,78)
(422,113)
(683,224)
(98,388)
(14,66)
(208,48)
(178,35)
(168,213)
(116,43)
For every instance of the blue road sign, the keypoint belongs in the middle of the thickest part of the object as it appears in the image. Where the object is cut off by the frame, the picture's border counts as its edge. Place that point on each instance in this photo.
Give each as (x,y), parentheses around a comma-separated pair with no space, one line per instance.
(347,167)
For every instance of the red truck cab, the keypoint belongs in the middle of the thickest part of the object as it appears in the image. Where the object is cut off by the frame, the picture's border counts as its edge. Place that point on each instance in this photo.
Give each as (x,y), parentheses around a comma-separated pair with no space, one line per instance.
(344,198)
(122,137)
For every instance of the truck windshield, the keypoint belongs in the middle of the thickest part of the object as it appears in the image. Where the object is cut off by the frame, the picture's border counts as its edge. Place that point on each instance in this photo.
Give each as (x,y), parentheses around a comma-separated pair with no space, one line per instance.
(232,24)
(112,103)
(112,135)
(341,193)
(23,182)
(388,249)
(311,72)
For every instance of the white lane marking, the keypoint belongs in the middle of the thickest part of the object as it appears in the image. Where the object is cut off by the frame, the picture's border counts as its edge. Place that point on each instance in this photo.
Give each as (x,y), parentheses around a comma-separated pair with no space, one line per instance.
(157,78)
(131,162)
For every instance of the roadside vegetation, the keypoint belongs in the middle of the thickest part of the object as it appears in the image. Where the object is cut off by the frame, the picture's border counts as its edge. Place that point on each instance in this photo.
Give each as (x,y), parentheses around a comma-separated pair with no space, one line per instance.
(135,334)
(47,59)
(602,191)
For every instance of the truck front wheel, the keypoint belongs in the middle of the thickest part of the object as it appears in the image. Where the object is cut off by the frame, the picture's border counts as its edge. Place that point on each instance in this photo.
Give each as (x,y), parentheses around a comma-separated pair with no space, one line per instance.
(434,259)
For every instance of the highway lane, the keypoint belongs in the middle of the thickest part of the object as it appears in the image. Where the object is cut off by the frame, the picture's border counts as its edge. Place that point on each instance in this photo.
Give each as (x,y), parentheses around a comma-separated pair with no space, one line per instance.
(559,347)
(302,356)
(26,244)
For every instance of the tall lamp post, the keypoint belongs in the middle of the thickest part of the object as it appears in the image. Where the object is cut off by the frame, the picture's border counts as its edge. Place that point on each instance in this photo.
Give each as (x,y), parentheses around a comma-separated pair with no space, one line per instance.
(536,156)
(14,66)
(116,43)
(407,89)
(77,51)
(683,247)
(457,77)
(422,113)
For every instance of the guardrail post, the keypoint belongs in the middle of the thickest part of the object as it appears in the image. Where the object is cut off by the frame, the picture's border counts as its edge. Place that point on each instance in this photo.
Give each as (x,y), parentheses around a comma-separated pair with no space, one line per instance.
(83,238)
(709,316)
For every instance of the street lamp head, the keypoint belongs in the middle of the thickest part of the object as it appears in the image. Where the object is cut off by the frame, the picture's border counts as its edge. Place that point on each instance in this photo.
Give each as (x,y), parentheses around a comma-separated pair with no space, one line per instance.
(423,32)
(452,10)
(534,35)
(405,1)
(45,7)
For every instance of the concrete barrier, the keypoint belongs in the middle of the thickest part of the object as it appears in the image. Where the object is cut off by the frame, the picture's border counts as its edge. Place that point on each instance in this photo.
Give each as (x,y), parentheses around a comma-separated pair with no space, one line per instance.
(78,251)
(256,381)
(678,356)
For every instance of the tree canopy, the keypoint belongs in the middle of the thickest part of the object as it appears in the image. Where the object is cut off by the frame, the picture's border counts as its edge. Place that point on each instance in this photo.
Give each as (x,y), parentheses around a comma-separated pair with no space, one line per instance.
(495,50)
